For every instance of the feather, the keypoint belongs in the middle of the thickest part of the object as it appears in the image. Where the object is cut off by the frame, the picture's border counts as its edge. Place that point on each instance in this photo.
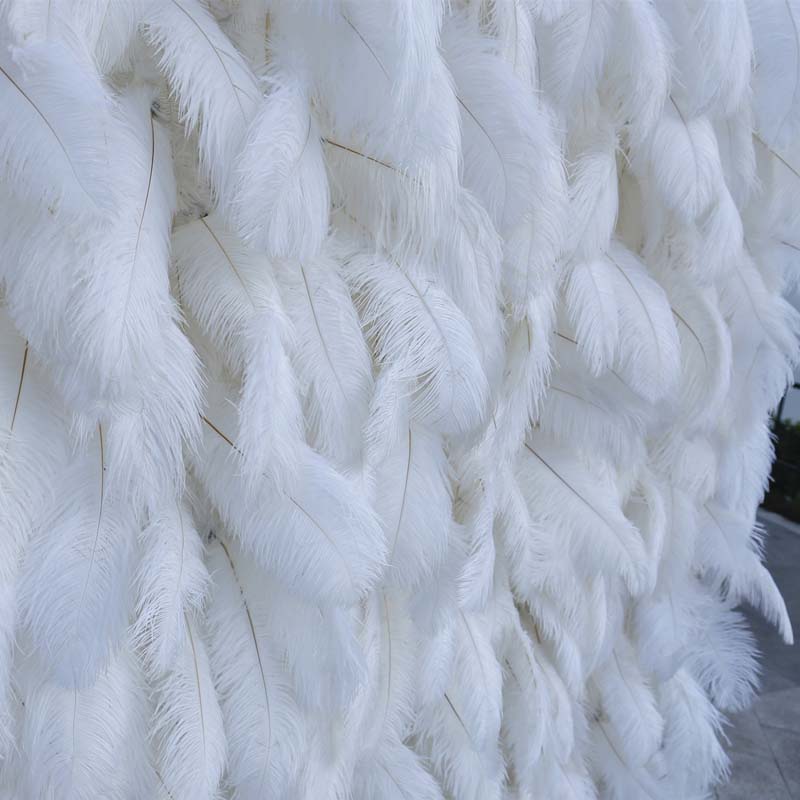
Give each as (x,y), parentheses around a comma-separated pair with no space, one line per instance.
(593,190)
(217,92)
(125,318)
(621,778)
(396,773)
(417,328)
(593,308)
(649,354)
(74,592)
(527,374)
(331,356)
(279,199)
(85,743)
(593,523)
(187,723)
(459,733)
(319,537)
(113,31)
(385,708)
(589,412)
(510,160)
(229,290)
(48,152)
(646,508)
(537,717)
(737,155)
(413,496)
(574,51)
(96,305)
(104,28)
(776,81)
(400,181)
(384,392)
(692,733)
(475,510)
(728,551)
(706,352)
(262,721)
(321,646)
(639,67)
(514,23)
(683,161)
(723,44)
(764,342)
(724,656)
(171,580)
(469,259)
(33,453)
(433,608)
(628,701)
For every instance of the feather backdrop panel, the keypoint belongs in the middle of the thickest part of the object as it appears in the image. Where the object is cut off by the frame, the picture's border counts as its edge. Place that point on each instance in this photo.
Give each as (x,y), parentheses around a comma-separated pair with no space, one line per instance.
(384,392)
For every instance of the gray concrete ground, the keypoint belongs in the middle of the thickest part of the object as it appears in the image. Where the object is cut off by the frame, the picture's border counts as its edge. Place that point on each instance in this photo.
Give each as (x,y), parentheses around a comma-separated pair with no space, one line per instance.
(765,740)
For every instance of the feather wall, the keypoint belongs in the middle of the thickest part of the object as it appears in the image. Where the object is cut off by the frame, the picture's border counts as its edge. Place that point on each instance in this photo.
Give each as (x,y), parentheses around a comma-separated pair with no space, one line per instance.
(384,392)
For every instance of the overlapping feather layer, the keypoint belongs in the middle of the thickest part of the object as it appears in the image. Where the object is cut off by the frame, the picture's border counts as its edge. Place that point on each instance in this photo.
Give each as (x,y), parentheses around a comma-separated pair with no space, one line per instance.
(384,392)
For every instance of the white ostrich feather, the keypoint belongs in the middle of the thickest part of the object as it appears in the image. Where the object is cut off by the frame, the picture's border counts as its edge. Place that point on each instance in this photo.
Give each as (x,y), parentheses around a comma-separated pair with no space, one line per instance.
(75,589)
(575,46)
(593,524)
(229,289)
(683,159)
(216,91)
(47,92)
(776,37)
(73,738)
(417,328)
(187,725)
(263,726)
(319,537)
(279,201)
(413,494)
(639,71)
(172,580)
(330,354)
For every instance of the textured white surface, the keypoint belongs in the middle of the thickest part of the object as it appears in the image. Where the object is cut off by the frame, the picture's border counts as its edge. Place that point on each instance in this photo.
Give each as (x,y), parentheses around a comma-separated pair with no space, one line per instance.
(384,391)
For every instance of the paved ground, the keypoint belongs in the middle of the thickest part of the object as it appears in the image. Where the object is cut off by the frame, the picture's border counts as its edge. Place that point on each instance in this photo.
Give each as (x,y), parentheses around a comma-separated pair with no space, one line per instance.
(765,740)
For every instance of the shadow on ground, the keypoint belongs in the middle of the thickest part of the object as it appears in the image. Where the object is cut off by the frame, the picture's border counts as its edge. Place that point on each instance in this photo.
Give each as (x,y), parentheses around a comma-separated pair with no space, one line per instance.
(765,740)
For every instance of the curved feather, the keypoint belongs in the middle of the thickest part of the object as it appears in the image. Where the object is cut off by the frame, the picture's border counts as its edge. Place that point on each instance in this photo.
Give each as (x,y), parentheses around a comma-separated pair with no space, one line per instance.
(510,158)
(171,581)
(591,522)
(263,724)
(230,291)
(279,199)
(649,353)
(413,497)
(639,67)
(776,82)
(628,701)
(216,90)
(49,154)
(32,452)
(683,159)
(319,537)
(593,307)
(85,743)
(575,49)
(75,595)
(417,328)
(187,723)
(331,356)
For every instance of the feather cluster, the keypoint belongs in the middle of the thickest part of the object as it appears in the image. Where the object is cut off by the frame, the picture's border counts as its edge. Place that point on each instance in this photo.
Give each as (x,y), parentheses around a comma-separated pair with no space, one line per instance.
(384,392)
